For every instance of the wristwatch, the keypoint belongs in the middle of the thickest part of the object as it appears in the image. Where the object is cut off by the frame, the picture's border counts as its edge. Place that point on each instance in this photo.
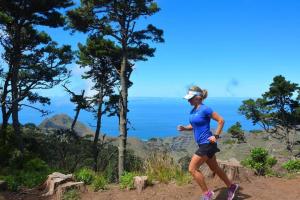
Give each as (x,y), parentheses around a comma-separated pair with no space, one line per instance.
(217,136)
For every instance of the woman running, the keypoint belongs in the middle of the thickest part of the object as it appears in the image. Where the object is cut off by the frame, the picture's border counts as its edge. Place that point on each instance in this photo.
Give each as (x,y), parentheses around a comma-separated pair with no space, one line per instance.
(200,117)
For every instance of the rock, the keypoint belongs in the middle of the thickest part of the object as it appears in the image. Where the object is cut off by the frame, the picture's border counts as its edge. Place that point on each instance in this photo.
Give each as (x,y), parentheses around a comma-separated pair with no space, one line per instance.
(3,185)
(140,182)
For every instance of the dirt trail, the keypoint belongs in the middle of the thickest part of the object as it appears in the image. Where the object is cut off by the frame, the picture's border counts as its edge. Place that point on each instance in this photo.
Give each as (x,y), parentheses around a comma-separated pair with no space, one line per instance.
(259,188)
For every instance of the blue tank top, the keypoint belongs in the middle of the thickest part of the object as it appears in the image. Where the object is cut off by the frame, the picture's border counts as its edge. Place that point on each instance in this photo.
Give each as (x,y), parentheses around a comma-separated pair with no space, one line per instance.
(200,121)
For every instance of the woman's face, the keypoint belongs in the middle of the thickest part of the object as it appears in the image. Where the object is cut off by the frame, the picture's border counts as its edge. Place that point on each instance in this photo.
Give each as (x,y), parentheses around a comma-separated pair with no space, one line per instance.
(194,101)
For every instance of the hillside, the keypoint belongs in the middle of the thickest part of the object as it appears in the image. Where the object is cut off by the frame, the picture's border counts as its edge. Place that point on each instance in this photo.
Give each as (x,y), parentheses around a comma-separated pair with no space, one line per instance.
(63,121)
(183,144)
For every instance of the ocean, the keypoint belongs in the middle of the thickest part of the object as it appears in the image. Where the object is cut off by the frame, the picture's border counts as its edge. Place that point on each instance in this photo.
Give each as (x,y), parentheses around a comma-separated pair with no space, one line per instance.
(149,117)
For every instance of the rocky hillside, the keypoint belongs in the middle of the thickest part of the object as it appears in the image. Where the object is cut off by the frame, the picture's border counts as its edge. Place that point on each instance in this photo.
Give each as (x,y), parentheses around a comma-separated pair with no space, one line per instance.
(183,144)
(63,121)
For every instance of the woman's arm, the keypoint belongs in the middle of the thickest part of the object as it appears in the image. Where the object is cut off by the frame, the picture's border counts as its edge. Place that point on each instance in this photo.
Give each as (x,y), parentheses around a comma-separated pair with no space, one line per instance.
(215,116)
(185,128)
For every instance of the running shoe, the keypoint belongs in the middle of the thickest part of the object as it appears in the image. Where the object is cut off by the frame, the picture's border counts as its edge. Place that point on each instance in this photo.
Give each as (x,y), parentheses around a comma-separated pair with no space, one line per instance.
(231,191)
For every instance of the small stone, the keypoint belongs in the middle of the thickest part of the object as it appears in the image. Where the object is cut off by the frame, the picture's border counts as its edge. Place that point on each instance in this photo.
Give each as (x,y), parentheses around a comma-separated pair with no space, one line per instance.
(140,182)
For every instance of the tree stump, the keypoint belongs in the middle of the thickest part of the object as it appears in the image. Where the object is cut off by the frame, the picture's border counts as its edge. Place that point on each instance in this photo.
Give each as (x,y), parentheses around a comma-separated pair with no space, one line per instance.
(54,180)
(234,170)
(140,182)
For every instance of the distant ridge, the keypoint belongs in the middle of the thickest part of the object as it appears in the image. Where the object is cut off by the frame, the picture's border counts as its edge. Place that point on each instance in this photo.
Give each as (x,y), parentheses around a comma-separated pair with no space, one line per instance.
(63,121)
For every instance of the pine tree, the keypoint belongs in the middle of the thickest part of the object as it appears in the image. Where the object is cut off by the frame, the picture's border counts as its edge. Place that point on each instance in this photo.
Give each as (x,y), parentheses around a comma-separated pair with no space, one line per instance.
(33,60)
(98,57)
(117,20)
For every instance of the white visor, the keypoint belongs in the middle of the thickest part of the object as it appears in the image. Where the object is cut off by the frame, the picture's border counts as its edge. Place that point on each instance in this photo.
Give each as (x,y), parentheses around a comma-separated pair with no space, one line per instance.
(191,94)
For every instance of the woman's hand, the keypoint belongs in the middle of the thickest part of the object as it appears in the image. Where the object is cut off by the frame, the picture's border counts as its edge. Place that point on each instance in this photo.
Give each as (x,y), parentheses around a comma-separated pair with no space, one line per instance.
(181,128)
(184,128)
(212,139)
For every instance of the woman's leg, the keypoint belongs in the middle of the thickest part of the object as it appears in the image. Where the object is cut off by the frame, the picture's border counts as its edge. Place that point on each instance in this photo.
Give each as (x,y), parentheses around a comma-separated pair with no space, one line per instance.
(213,165)
(195,163)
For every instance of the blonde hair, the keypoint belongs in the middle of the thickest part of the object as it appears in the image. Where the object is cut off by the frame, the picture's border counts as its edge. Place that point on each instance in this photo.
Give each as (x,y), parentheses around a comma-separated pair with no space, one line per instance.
(203,93)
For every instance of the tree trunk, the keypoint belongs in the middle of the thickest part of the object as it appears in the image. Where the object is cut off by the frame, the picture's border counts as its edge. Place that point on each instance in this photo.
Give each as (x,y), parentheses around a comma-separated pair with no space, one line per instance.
(15,60)
(97,132)
(5,113)
(5,118)
(123,116)
(77,114)
(15,109)
(75,118)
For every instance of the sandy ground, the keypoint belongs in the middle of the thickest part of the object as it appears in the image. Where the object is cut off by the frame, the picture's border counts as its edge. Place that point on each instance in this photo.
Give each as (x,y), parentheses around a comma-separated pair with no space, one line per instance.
(259,188)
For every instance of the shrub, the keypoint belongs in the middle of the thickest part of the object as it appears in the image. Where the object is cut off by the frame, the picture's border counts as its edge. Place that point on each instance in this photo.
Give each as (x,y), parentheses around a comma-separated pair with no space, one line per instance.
(35,171)
(271,161)
(182,178)
(36,165)
(237,132)
(86,175)
(126,180)
(12,183)
(256,131)
(161,167)
(229,141)
(292,165)
(260,161)
(99,183)
(184,162)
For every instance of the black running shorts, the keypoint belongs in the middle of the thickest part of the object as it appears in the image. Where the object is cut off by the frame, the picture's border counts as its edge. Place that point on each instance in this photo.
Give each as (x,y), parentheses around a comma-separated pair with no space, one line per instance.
(208,150)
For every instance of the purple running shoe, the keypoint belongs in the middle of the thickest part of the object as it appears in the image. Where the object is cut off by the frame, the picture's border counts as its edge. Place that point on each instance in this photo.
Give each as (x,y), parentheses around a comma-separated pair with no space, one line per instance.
(231,191)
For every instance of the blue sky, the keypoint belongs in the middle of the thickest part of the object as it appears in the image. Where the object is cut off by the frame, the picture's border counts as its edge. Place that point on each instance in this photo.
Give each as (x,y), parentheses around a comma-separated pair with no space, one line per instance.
(232,48)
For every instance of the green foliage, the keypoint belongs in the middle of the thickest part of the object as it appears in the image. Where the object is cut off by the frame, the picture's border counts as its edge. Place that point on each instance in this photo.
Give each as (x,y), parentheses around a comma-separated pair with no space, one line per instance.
(109,162)
(8,146)
(34,172)
(161,167)
(126,180)
(36,165)
(132,162)
(86,175)
(72,194)
(113,24)
(229,141)
(12,182)
(184,162)
(271,161)
(66,151)
(99,183)
(33,61)
(277,112)
(182,177)
(237,132)
(292,165)
(256,131)
(260,161)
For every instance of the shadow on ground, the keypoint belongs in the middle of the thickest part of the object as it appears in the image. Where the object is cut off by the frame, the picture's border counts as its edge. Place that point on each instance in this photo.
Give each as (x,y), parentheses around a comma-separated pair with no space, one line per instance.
(239,195)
